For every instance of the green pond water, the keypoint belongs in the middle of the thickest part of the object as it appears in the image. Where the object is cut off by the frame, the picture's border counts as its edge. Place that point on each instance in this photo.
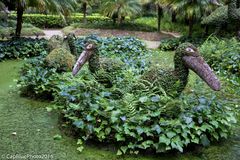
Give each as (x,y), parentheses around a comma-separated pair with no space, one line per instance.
(27,129)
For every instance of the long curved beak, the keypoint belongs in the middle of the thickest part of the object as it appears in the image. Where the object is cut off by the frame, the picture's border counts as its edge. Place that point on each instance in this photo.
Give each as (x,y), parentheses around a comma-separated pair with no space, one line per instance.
(202,69)
(80,62)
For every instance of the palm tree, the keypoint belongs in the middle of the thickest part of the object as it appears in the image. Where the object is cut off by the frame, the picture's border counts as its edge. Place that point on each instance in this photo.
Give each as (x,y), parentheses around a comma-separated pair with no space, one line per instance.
(192,10)
(121,8)
(62,7)
(85,4)
(2,10)
(159,9)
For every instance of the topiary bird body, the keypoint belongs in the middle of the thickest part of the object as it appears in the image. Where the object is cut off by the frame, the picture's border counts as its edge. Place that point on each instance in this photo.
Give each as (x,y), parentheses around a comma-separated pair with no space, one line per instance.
(154,81)
(105,70)
(218,17)
(228,14)
(62,51)
(174,81)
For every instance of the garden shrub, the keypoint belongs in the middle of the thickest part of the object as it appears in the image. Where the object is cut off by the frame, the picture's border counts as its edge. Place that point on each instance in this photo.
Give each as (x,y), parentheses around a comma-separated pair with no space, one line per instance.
(130,50)
(55,41)
(28,29)
(94,21)
(23,47)
(129,117)
(140,120)
(56,21)
(61,59)
(38,80)
(172,43)
(222,54)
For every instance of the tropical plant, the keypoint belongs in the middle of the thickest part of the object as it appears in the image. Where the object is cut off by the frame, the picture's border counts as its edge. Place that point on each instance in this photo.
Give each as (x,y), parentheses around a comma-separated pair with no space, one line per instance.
(84,5)
(119,9)
(3,12)
(136,120)
(223,55)
(191,10)
(21,48)
(159,11)
(58,6)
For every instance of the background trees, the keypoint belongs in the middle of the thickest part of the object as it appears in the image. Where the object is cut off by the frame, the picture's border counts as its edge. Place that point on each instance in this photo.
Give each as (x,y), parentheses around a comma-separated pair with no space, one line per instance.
(183,12)
(61,7)
(192,11)
(119,9)
(84,4)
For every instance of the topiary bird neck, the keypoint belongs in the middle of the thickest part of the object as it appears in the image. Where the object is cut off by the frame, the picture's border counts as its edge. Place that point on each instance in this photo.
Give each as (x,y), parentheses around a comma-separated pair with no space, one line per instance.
(94,62)
(72,46)
(181,71)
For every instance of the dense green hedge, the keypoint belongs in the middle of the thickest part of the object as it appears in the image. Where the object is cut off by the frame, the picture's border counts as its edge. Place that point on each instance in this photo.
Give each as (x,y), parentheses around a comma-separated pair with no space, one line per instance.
(7,29)
(56,21)
(172,43)
(93,21)
(23,47)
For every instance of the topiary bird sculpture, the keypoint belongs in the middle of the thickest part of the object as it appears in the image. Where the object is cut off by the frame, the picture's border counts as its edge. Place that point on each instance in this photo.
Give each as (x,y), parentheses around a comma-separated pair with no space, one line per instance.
(227,14)
(62,52)
(173,82)
(104,69)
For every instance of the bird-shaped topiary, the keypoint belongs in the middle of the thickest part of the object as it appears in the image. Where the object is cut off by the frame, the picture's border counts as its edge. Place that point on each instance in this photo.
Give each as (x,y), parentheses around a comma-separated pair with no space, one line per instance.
(227,14)
(60,56)
(104,69)
(55,41)
(61,59)
(173,82)
(70,39)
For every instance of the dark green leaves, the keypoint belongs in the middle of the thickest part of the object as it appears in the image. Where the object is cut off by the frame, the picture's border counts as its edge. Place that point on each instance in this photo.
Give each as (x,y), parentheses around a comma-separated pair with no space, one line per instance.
(135,119)
(21,48)
(79,124)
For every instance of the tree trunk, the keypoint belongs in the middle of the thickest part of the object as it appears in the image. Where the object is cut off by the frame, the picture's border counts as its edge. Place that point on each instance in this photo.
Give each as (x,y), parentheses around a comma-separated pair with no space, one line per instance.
(84,12)
(20,10)
(119,16)
(190,25)
(160,14)
(206,30)
(174,19)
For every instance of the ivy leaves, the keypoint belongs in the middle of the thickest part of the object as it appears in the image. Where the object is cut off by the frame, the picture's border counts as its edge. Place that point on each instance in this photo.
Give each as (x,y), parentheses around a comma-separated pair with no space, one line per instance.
(21,48)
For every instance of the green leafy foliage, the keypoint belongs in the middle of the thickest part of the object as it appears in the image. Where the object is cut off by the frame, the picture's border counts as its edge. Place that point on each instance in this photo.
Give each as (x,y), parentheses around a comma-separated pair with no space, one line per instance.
(173,43)
(222,54)
(8,29)
(56,21)
(130,50)
(141,120)
(37,79)
(132,118)
(61,59)
(20,48)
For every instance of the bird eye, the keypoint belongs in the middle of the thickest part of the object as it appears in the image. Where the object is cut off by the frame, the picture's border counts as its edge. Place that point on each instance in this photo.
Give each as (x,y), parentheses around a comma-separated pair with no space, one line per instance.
(190,50)
(89,46)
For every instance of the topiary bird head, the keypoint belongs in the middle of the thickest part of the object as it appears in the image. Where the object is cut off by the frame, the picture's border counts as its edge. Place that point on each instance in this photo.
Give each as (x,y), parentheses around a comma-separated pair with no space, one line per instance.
(88,52)
(215,2)
(188,55)
(70,36)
